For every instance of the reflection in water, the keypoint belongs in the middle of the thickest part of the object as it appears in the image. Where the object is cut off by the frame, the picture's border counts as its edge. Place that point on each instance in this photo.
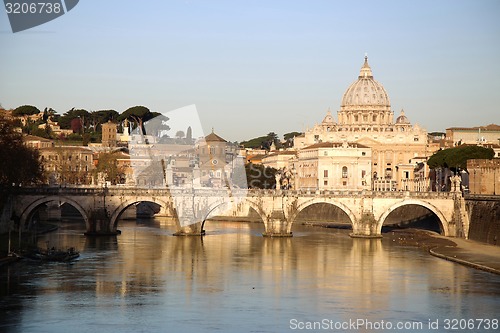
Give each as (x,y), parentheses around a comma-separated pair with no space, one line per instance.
(234,279)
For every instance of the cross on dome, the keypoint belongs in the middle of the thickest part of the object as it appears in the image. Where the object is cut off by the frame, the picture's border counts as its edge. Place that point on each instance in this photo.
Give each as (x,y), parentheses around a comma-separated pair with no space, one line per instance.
(366,71)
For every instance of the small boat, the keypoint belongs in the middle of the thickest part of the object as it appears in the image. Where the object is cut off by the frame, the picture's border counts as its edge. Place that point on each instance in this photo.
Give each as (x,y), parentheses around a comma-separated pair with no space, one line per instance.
(52,255)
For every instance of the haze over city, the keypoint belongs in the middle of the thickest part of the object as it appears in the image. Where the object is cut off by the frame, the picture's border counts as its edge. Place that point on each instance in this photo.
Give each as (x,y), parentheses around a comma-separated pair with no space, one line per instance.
(255,67)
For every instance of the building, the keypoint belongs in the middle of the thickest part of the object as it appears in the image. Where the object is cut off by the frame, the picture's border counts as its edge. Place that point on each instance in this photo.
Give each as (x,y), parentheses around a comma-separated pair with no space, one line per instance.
(484,176)
(37,142)
(214,154)
(333,165)
(109,134)
(278,159)
(473,135)
(365,117)
(68,164)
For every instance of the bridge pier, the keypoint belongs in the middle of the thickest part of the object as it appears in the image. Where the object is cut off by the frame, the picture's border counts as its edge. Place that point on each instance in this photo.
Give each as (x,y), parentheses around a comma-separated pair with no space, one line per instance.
(99,224)
(365,227)
(194,229)
(277,225)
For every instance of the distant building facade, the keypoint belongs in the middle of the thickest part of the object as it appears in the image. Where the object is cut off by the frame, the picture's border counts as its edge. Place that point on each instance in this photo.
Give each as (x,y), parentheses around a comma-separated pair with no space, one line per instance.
(484,176)
(109,134)
(330,166)
(473,135)
(67,164)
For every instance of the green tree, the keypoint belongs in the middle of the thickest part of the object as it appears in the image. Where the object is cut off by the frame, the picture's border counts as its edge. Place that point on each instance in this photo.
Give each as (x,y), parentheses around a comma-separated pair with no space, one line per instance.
(289,138)
(456,158)
(97,118)
(68,116)
(258,142)
(25,110)
(156,125)
(259,176)
(138,115)
(45,132)
(19,164)
(108,166)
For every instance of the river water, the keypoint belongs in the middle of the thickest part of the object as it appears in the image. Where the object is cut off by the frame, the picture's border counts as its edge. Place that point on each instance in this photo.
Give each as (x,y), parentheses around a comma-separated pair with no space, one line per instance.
(235,280)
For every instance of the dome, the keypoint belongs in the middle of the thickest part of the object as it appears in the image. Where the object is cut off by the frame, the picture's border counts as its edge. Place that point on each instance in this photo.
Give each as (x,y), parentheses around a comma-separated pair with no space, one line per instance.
(402,119)
(328,118)
(365,91)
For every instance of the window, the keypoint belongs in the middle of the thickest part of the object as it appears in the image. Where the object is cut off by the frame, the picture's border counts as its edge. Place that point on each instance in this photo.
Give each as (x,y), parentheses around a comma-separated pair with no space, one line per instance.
(363,153)
(212,150)
(415,139)
(325,182)
(344,172)
(325,173)
(363,173)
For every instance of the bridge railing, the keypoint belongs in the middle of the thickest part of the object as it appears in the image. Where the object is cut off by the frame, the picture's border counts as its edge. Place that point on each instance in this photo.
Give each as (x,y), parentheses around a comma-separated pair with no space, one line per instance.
(205,192)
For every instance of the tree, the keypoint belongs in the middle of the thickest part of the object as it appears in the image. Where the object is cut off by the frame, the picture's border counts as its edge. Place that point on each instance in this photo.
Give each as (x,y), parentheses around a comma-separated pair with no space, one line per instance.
(259,142)
(48,114)
(107,165)
(45,132)
(156,125)
(100,117)
(259,176)
(25,110)
(19,164)
(456,158)
(289,138)
(138,115)
(179,134)
(68,116)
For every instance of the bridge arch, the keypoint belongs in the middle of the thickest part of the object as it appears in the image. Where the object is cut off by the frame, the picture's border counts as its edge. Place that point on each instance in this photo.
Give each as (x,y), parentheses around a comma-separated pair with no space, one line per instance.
(330,201)
(27,212)
(443,222)
(117,212)
(217,205)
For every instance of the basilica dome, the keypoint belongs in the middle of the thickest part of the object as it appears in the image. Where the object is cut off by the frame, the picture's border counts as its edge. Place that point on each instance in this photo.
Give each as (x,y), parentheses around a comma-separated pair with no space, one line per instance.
(365,91)
(365,102)
(402,119)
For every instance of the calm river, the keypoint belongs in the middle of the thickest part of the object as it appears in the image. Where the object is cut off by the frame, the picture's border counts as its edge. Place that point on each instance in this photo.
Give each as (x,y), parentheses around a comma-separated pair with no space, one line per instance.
(235,280)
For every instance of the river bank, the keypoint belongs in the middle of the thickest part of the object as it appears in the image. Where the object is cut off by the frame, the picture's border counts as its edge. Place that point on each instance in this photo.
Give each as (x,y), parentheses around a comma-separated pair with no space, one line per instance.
(463,251)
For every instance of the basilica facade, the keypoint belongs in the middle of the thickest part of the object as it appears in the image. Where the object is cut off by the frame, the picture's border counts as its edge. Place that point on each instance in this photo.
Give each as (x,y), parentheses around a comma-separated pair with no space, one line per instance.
(365,119)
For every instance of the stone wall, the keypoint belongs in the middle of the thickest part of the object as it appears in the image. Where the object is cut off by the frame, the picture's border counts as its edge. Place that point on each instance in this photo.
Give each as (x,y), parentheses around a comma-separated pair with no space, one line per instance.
(484,217)
(484,176)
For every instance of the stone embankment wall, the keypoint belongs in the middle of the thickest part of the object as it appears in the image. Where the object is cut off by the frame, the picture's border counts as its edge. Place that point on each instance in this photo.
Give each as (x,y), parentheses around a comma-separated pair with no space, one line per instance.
(484,218)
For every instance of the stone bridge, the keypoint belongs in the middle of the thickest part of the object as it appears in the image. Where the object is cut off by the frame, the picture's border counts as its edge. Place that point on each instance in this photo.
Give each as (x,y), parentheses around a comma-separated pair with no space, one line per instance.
(101,207)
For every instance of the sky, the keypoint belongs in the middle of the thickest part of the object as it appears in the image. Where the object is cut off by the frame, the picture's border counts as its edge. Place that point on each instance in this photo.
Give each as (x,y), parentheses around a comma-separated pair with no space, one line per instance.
(253,67)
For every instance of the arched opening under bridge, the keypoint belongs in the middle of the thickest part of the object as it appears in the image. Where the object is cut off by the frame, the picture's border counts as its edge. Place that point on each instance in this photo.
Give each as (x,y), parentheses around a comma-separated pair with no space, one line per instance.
(226,217)
(52,213)
(147,212)
(412,216)
(323,214)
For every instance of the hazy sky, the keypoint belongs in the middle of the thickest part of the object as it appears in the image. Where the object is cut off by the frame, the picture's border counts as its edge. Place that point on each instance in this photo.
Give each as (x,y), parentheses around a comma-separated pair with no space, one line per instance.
(252,67)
